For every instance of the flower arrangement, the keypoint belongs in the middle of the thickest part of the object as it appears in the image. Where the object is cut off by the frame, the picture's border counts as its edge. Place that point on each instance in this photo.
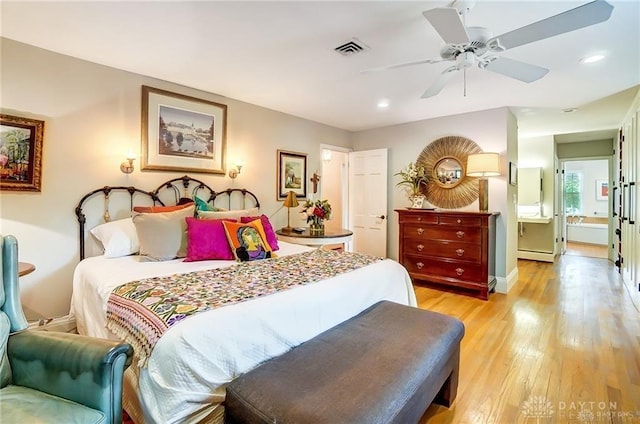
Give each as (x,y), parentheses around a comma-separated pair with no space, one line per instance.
(316,212)
(413,176)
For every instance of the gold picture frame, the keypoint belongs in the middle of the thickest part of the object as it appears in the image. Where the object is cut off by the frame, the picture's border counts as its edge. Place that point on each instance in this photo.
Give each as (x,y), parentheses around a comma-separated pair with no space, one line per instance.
(20,153)
(182,133)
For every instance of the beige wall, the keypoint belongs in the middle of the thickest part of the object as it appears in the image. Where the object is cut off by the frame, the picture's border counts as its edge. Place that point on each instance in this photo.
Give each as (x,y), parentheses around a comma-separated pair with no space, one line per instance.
(585,149)
(92,118)
(494,131)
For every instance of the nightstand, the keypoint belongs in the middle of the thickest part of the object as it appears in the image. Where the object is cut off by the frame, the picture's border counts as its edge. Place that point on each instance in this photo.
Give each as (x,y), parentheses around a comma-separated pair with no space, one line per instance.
(306,238)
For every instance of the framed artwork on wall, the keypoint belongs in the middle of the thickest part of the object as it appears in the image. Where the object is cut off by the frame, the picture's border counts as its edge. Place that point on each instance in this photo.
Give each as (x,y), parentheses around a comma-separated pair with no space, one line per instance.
(513,173)
(602,189)
(292,174)
(182,133)
(20,153)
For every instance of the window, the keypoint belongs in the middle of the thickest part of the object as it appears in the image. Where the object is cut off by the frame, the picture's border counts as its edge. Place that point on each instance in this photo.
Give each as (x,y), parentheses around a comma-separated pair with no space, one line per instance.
(573,192)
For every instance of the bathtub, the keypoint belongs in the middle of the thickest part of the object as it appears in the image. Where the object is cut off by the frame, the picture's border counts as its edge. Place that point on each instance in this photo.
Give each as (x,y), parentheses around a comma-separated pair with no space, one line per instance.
(588,233)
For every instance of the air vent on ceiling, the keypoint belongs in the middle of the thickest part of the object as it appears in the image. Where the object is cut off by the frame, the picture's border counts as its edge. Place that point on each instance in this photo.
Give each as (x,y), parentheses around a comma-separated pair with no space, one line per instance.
(351,47)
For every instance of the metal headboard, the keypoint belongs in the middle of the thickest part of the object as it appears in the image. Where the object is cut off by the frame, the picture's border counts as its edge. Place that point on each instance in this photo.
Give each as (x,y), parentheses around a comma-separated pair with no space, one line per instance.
(171,192)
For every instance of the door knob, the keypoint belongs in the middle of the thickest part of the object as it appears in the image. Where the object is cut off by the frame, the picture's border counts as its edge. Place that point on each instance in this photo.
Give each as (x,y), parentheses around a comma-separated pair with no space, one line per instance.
(380,217)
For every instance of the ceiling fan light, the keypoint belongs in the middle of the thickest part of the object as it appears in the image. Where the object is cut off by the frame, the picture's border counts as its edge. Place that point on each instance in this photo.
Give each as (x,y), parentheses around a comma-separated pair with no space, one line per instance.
(592,59)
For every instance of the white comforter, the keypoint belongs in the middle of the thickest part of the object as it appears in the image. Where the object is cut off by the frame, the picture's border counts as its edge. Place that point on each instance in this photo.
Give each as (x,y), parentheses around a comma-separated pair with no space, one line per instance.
(190,366)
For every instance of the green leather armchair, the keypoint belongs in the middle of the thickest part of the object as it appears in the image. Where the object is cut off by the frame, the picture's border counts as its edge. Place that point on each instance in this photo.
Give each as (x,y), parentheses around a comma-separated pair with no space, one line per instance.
(49,377)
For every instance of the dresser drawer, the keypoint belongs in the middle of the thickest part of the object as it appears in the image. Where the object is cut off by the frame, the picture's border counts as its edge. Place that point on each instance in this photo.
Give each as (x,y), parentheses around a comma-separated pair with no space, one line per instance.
(442,232)
(466,272)
(418,218)
(470,252)
(460,221)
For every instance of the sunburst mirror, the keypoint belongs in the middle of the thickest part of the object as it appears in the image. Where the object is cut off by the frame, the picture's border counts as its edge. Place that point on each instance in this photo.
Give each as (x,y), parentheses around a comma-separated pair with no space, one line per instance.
(444,161)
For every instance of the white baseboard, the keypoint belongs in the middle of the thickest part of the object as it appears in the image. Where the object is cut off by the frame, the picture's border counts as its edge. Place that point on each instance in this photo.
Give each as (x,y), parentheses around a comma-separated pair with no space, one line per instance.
(536,256)
(503,285)
(64,324)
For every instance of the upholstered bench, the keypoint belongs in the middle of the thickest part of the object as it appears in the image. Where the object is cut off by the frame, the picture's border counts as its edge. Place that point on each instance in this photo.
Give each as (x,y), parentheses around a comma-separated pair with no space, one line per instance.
(385,365)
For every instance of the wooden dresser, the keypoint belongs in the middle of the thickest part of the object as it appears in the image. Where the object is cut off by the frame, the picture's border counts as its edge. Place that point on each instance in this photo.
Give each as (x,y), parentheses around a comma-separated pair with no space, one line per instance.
(449,250)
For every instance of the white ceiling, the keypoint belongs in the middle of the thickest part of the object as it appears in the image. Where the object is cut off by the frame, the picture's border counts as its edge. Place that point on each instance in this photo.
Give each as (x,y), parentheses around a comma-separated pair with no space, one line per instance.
(280,55)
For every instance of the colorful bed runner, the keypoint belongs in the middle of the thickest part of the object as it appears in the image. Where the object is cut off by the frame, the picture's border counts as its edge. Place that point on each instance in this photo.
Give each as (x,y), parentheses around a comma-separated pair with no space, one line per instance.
(140,311)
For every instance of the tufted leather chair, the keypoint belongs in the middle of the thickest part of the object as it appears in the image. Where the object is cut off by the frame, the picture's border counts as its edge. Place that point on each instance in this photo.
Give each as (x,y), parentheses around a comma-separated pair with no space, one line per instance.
(49,377)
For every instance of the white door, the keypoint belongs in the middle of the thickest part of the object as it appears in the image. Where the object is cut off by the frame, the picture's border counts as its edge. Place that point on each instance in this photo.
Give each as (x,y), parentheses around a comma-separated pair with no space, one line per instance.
(368,201)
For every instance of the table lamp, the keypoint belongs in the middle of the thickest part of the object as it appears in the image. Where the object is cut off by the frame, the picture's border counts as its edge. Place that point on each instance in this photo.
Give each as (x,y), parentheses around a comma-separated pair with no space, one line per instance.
(290,202)
(483,165)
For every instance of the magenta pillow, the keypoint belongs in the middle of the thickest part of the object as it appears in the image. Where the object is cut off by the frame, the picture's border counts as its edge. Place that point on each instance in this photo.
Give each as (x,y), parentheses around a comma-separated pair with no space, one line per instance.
(206,240)
(268,229)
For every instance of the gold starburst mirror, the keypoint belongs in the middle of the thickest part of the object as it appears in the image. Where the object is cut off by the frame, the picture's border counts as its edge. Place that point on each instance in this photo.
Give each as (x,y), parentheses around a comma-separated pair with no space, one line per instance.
(444,161)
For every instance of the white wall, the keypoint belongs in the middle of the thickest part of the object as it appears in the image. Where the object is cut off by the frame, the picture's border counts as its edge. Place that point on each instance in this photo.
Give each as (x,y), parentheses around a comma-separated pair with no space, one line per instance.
(592,170)
(493,130)
(92,117)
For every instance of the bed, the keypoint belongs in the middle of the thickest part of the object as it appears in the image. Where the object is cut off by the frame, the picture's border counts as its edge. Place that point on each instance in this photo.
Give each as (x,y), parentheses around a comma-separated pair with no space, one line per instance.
(184,376)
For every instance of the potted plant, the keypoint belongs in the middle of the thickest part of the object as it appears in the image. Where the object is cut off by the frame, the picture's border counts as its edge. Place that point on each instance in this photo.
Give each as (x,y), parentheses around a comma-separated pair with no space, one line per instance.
(414,177)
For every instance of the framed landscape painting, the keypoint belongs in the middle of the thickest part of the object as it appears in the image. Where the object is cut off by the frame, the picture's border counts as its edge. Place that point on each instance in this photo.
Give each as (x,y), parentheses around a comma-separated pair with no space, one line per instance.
(292,174)
(182,133)
(20,153)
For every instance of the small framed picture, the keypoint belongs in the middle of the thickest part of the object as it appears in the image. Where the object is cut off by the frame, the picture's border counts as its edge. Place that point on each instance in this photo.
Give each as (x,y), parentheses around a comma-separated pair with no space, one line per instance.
(513,174)
(20,153)
(292,174)
(602,189)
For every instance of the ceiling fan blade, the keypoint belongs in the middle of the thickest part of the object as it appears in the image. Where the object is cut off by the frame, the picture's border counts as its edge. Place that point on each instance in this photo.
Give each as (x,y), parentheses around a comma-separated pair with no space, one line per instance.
(580,17)
(515,69)
(401,65)
(448,23)
(439,84)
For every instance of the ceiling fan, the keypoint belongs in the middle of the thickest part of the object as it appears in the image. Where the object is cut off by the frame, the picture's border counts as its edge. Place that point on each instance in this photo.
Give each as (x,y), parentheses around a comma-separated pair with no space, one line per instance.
(469,46)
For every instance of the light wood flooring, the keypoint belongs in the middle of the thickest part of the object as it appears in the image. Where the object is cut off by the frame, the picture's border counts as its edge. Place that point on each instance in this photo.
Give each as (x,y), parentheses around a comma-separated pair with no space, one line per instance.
(585,249)
(563,346)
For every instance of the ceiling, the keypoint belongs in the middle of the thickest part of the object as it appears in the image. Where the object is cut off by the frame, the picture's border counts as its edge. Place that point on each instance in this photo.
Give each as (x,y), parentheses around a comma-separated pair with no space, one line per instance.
(280,55)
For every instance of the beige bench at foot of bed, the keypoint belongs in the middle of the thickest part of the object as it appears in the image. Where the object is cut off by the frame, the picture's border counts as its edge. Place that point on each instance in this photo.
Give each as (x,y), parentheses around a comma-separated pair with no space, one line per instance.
(385,365)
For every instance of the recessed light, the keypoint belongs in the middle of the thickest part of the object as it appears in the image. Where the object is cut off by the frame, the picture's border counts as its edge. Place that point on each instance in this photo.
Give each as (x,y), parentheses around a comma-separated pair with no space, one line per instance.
(592,59)
(383,104)
(569,110)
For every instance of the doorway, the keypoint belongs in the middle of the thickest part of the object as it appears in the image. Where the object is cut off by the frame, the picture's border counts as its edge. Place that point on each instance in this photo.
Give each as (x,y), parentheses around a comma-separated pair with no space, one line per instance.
(586,206)
(334,186)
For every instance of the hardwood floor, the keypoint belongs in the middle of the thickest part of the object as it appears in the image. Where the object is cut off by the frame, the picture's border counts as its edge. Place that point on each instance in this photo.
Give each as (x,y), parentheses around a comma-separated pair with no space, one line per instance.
(563,346)
(585,249)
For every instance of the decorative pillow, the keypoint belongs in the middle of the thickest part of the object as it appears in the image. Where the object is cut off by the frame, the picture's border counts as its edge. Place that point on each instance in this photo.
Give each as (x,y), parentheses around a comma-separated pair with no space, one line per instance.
(206,239)
(160,209)
(118,238)
(236,214)
(268,229)
(163,235)
(247,241)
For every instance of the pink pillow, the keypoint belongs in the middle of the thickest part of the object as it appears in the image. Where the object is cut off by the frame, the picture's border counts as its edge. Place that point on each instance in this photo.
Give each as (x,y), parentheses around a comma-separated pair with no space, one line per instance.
(206,240)
(268,229)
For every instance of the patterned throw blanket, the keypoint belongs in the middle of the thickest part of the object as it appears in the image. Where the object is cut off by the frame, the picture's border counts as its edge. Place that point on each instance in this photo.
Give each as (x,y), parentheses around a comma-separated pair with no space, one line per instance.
(139,312)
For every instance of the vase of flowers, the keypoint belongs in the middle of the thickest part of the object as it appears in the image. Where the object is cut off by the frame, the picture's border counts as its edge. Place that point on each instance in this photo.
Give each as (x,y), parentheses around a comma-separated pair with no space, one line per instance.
(414,178)
(315,213)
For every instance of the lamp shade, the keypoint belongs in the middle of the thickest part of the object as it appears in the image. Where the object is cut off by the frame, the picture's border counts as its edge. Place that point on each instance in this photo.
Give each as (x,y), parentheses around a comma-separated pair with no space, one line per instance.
(483,165)
(291,201)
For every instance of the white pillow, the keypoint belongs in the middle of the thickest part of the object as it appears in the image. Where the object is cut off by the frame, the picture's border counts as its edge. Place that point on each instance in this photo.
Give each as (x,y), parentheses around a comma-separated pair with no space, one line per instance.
(236,214)
(118,238)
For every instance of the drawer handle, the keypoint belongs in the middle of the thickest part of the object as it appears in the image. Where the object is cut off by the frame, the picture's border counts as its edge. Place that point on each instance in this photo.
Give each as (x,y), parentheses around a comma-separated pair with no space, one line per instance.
(420,247)
(460,234)
(419,218)
(420,265)
(459,221)
(420,231)
(460,252)
(459,271)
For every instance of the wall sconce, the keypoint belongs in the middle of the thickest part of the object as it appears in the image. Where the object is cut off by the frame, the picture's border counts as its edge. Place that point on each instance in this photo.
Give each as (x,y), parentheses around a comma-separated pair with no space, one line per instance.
(326,155)
(234,172)
(290,202)
(483,165)
(127,166)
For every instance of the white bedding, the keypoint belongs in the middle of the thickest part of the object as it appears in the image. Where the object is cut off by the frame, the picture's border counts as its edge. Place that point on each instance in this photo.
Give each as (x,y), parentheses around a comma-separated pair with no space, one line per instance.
(190,366)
